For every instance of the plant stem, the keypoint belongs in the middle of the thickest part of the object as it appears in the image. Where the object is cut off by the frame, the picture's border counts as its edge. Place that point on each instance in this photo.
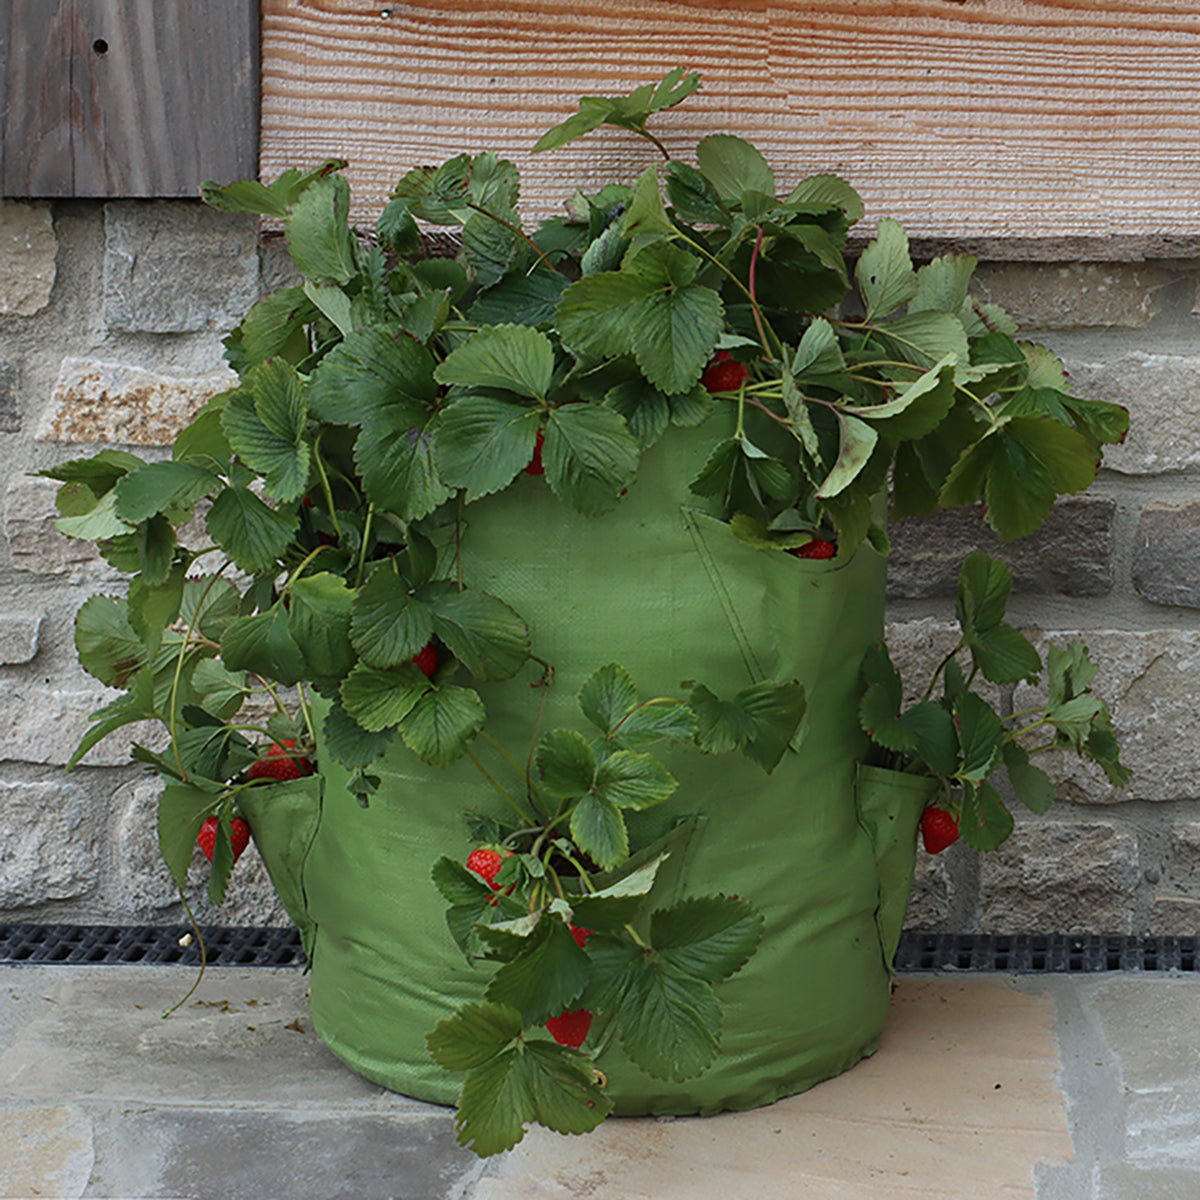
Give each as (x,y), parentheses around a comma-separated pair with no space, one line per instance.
(187,908)
(498,787)
(362,549)
(337,528)
(941,667)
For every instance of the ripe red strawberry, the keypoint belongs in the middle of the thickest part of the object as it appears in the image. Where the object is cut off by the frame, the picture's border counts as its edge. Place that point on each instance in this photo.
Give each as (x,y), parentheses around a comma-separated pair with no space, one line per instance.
(817,548)
(723,374)
(427,660)
(239,832)
(535,463)
(486,862)
(939,829)
(580,936)
(279,765)
(570,1028)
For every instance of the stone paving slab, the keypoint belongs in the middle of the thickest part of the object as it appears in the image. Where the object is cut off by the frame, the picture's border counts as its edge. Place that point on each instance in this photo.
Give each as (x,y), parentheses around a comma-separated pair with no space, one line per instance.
(985,1086)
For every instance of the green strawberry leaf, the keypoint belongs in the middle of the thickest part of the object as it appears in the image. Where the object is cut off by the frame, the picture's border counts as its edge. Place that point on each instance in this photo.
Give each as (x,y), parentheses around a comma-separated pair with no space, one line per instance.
(318,232)
(1030,784)
(397,459)
(625,112)
(378,699)
(530,1081)
(693,196)
(546,977)
(1001,653)
(856,442)
(442,723)
(284,463)
(598,828)
(608,696)
(733,166)
(589,456)
(348,743)
(484,443)
(985,823)
(181,812)
(611,908)
(373,368)
(655,720)
(631,780)
(937,742)
(388,625)
(264,645)
(108,647)
(651,309)
(151,489)
(1048,458)
(566,764)
(709,937)
(885,274)
(514,358)
(319,620)
(254,535)
(980,736)
(482,632)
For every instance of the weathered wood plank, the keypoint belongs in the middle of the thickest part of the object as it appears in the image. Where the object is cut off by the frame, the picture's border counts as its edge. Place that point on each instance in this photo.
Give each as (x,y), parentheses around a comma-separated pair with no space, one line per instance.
(1034,125)
(128,97)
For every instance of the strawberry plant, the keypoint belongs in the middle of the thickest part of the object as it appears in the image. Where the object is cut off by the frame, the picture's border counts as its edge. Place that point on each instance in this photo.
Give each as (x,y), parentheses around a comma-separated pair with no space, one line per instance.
(388,399)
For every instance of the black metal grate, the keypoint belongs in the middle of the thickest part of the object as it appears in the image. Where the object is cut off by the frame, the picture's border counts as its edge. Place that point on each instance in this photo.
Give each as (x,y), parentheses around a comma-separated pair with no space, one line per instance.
(1055,953)
(149,944)
(1020,954)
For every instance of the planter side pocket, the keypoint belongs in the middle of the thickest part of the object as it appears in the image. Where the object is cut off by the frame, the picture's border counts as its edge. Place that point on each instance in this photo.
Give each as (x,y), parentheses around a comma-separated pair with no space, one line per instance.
(284,821)
(890,804)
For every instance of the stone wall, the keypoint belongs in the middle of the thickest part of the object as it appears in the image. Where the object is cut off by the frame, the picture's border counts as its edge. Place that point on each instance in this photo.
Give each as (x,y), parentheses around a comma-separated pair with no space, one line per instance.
(111,319)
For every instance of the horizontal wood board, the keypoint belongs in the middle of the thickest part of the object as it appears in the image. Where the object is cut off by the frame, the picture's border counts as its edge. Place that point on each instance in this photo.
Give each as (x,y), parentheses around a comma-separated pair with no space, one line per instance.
(126,97)
(1062,128)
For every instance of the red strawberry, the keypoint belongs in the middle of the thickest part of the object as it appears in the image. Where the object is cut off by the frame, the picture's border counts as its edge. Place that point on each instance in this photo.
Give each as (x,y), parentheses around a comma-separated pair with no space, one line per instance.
(239,831)
(486,862)
(535,463)
(279,765)
(580,936)
(723,374)
(817,548)
(939,829)
(427,660)
(570,1028)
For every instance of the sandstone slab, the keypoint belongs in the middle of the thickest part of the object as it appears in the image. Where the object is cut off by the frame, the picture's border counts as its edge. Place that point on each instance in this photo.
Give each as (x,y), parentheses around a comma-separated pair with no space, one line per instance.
(49,843)
(1166,554)
(98,401)
(177,267)
(1070,555)
(1060,877)
(1162,392)
(1073,295)
(28,249)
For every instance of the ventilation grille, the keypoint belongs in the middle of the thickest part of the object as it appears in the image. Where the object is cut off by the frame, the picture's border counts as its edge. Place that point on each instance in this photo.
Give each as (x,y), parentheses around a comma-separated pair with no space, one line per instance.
(149,944)
(1049,953)
(1021,954)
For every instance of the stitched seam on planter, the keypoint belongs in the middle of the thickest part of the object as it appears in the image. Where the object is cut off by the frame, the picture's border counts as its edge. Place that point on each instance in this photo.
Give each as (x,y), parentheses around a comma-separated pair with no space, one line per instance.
(726,601)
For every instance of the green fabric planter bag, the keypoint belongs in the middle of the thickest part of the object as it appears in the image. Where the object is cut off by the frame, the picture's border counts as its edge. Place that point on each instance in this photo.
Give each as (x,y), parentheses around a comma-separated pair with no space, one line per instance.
(823,850)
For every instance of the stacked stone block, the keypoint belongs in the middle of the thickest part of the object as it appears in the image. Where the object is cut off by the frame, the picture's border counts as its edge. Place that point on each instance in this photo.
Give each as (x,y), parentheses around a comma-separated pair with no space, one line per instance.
(111,320)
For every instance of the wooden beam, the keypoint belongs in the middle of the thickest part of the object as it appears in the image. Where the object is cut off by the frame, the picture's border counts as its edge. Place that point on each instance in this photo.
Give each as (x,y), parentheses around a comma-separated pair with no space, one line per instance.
(1041,129)
(127,97)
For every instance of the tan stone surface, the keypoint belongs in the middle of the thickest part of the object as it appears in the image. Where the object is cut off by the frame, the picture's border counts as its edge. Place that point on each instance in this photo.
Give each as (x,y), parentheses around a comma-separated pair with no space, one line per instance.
(47,1152)
(1162,392)
(1073,295)
(97,401)
(28,249)
(960,1101)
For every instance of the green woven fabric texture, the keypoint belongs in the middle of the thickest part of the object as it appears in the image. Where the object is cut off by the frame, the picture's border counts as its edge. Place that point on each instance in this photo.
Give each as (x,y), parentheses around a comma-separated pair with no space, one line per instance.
(665,590)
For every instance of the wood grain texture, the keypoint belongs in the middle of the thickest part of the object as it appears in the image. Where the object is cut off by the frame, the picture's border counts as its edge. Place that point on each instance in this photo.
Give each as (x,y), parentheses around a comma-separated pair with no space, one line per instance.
(127,97)
(1040,129)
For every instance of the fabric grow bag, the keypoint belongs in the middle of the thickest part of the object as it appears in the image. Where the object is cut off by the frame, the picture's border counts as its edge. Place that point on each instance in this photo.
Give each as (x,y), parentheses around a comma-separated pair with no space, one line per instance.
(664,589)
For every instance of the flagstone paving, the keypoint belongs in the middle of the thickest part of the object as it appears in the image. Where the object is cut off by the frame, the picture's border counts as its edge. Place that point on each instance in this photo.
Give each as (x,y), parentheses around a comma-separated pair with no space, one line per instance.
(1050,1087)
